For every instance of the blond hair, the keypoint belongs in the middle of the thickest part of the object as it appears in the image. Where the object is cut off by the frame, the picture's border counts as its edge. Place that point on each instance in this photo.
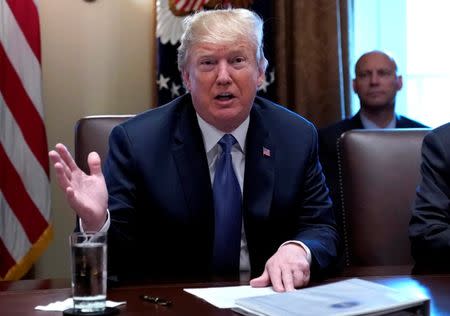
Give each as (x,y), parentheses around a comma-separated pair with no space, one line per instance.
(226,26)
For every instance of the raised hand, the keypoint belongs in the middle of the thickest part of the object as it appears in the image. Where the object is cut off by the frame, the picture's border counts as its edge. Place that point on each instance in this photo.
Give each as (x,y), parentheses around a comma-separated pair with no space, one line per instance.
(86,194)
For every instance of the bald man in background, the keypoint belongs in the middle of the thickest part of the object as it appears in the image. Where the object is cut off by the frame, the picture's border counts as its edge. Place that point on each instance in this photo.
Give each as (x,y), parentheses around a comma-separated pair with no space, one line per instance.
(376,83)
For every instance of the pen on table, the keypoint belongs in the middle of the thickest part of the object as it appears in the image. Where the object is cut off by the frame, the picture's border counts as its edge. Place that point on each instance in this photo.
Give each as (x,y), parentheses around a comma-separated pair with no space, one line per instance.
(156,300)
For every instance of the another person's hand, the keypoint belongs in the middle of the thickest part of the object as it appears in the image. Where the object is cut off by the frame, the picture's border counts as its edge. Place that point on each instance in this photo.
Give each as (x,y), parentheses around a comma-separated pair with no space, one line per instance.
(286,270)
(86,194)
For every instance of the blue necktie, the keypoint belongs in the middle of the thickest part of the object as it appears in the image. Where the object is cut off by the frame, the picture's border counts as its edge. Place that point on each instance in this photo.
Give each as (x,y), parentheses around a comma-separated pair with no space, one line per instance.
(228,211)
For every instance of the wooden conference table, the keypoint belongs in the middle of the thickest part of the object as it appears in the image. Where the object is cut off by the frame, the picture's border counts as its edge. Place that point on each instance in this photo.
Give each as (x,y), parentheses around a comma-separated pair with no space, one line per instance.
(20,297)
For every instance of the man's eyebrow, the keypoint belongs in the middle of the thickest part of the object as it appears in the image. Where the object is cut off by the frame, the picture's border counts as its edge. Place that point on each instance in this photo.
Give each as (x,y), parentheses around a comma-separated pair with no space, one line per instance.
(202,53)
(375,69)
(386,69)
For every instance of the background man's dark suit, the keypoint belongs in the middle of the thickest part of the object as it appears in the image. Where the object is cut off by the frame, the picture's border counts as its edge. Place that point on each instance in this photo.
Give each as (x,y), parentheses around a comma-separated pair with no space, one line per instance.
(161,201)
(328,154)
(430,223)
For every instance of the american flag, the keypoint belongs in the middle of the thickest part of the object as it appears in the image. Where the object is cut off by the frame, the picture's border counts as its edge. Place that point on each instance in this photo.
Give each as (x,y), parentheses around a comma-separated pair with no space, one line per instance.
(25,228)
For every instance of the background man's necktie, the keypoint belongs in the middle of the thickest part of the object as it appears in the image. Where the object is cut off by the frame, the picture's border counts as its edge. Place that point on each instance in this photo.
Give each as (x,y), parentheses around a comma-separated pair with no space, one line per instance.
(228,211)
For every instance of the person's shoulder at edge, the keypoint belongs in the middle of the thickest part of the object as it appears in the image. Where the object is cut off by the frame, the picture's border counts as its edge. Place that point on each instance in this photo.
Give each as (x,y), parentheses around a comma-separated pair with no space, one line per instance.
(445,128)
(440,133)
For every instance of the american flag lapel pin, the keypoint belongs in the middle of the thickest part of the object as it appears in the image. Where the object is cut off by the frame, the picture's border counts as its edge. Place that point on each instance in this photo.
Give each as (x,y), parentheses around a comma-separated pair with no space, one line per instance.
(266,152)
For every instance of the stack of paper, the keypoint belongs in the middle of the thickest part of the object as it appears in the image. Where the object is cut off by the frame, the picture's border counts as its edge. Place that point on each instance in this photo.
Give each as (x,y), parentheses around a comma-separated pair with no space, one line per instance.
(349,297)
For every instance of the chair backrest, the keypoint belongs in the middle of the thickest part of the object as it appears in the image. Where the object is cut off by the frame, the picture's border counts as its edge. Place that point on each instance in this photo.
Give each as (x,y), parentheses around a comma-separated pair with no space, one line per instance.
(91,134)
(378,174)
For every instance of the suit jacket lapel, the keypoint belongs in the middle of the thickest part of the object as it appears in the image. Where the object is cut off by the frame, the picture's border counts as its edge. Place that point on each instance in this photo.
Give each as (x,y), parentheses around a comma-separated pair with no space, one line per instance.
(190,159)
(259,167)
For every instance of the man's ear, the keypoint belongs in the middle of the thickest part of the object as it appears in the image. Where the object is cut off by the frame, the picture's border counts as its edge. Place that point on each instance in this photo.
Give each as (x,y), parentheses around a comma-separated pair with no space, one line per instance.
(186,80)
(261,77)
(399,83)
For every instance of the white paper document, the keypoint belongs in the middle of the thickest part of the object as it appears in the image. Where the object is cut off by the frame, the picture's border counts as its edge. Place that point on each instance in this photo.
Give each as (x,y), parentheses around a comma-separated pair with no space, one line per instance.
(224,297)
(344,298)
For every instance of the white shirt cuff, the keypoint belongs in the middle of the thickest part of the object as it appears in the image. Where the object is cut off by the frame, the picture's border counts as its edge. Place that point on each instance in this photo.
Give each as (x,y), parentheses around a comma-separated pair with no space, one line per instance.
(105,226)
(308,252)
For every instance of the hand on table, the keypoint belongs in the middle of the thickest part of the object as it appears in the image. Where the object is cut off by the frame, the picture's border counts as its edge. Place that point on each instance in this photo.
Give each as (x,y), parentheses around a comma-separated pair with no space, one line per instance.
(286,270)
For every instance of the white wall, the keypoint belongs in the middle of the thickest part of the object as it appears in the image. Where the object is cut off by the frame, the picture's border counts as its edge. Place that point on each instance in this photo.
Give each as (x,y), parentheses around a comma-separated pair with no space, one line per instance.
(97,58)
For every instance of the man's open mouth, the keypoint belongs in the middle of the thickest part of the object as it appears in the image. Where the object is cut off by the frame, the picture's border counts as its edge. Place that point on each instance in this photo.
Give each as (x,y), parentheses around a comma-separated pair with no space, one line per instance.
(224,96)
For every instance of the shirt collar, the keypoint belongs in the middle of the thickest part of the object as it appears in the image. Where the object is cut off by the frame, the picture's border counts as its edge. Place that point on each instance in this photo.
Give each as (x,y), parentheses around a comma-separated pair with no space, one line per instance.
(212,135)
(368,124)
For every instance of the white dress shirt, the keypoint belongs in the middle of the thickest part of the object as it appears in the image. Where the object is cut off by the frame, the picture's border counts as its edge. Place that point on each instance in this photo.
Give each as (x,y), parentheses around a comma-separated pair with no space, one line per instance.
(211,137)
(368,124)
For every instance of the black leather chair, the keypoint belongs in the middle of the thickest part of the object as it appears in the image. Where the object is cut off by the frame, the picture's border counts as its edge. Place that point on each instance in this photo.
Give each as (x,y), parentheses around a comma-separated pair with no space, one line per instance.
(91,134)
(378,174)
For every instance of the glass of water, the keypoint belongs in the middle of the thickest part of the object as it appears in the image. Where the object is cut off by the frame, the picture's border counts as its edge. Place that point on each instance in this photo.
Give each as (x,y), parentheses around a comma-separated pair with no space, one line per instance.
(89,271)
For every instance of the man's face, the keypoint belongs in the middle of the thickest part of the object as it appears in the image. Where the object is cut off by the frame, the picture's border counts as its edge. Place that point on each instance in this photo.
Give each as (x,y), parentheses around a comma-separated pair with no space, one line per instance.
(223,81)
(376,81)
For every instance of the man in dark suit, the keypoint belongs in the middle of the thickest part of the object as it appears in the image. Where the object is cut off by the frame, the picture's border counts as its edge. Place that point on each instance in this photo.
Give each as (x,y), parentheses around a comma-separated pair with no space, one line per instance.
(376,83)
(429,228)
(162,170)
